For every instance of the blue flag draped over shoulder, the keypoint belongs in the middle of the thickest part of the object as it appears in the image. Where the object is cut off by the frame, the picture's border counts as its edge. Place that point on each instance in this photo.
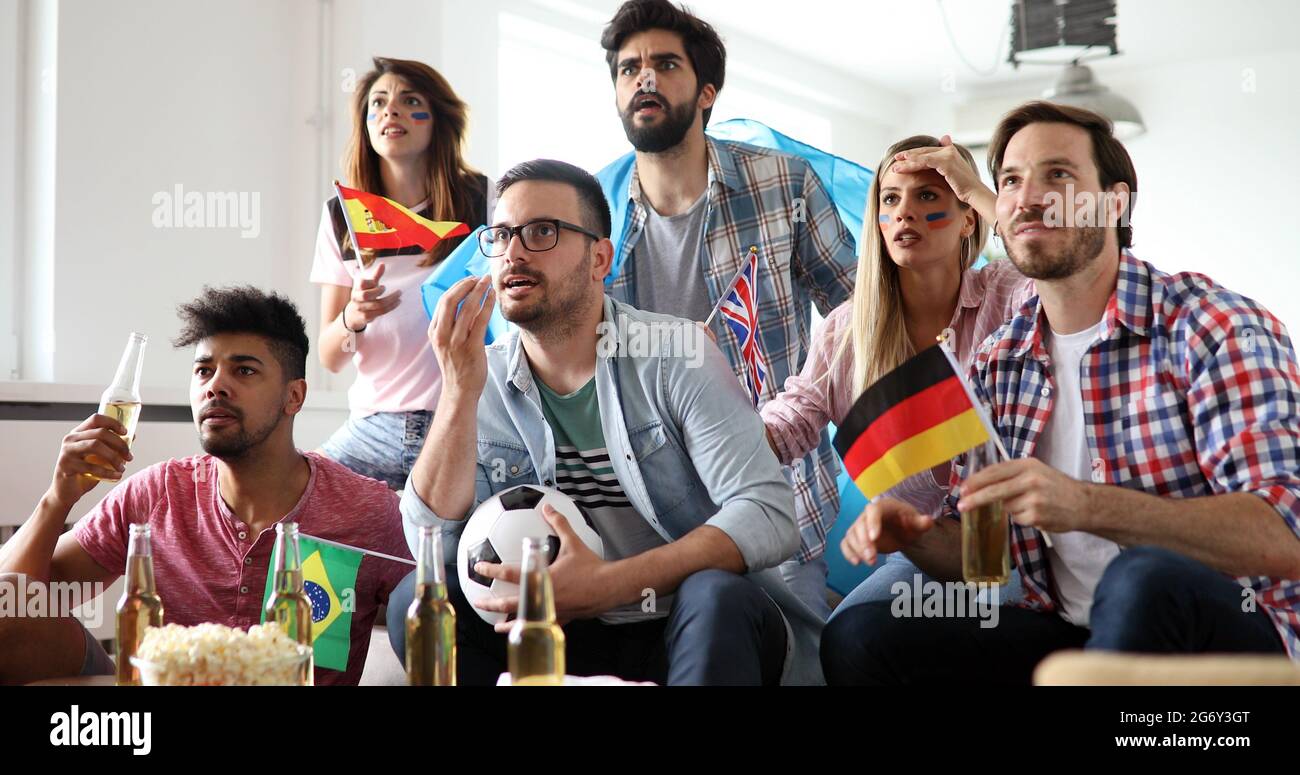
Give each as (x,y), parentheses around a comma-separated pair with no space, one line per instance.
(846,182)
(465,261)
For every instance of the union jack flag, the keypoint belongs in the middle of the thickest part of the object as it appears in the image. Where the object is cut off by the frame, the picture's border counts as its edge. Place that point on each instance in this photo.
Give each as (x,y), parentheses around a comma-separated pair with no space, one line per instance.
(739,308)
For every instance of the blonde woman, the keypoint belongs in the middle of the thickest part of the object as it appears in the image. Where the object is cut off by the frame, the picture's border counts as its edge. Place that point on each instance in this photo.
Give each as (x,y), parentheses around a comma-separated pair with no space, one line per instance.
(927,219)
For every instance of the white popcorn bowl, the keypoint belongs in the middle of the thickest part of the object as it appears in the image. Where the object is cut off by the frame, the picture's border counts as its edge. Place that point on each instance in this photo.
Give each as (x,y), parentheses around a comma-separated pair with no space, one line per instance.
(292,670)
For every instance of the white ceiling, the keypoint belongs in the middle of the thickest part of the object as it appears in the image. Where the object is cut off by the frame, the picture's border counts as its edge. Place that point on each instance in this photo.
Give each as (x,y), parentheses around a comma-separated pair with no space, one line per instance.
(901,45)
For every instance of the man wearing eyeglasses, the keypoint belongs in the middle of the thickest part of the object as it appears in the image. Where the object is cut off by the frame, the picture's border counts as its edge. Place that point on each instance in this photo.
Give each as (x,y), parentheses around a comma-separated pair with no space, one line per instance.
(659,445)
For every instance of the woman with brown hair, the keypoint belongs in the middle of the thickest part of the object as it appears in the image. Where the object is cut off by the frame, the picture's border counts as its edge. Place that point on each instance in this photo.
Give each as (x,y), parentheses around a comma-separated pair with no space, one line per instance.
(408,136)
(927,218)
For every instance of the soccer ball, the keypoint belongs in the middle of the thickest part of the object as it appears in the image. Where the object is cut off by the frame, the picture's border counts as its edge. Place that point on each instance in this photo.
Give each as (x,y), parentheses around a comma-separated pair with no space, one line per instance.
(495,533)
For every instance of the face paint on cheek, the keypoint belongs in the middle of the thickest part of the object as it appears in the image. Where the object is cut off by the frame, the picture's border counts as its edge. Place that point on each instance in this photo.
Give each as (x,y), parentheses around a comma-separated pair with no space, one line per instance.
(372,117)
(937,220)
(421,116)
(884,220)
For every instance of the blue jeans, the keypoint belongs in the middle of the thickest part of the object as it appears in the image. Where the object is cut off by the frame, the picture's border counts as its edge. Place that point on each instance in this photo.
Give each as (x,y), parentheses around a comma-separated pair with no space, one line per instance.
(1149,600)
(808,583)
(896,567)
(722,630)
(382,446)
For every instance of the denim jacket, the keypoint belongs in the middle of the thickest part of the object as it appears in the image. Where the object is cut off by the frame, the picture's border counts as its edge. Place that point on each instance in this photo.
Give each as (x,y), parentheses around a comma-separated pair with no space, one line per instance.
(684,441)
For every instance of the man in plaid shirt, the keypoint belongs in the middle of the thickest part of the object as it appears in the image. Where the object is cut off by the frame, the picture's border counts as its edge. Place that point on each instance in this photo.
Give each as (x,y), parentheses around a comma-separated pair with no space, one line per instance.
(695,206)
(1153,422)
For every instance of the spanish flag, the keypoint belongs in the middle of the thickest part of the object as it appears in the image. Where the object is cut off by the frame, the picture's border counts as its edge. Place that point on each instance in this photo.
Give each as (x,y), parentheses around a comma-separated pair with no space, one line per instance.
(379,223)
(915,417)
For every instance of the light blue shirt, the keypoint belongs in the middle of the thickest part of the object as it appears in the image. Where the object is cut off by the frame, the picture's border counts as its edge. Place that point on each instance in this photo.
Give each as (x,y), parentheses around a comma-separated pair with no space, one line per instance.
(684,441)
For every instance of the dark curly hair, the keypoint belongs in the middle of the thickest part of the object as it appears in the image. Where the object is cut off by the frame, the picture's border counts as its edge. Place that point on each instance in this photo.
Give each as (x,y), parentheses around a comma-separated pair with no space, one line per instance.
(248,310)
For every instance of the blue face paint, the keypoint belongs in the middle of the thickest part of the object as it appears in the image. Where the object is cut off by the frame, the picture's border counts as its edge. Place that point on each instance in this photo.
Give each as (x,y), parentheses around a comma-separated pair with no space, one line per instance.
(372,116)
(421,116)
(884,219)
(937,220)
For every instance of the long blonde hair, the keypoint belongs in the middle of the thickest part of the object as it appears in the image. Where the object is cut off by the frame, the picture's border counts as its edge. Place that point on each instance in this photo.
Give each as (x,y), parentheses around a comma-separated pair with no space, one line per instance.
(877,329)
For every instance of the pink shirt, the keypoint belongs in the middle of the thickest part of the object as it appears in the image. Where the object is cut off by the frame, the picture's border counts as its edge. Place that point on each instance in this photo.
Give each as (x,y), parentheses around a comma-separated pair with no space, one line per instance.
(823,393)
(209,568)
(396,368)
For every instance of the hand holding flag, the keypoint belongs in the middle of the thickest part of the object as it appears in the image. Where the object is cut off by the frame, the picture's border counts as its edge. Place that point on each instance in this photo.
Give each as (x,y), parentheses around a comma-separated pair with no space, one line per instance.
(368,300)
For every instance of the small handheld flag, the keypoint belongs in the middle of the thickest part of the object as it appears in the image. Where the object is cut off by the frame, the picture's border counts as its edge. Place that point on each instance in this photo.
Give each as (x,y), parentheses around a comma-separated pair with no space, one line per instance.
(379,223)
(329,577)
(739,308)
(915,417)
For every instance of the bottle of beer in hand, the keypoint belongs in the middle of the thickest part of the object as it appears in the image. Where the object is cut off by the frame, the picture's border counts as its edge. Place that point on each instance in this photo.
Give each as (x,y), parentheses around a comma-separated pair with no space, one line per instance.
(289,605)
(140,606)
(122,399)
(536,642)
(431,620)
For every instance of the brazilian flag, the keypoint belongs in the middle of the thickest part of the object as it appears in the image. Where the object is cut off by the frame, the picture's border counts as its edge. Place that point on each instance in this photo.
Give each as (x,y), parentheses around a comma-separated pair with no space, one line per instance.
(329,575)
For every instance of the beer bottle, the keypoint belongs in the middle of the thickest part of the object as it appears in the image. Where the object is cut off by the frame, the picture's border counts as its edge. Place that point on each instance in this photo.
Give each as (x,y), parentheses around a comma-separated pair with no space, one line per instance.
(431,620)
(121,400)
(289,605)
(536,642)
(139,607)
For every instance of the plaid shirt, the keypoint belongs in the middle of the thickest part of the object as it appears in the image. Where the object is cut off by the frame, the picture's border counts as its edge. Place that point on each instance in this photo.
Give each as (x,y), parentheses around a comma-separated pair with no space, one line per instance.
(775,201)
(1191,390)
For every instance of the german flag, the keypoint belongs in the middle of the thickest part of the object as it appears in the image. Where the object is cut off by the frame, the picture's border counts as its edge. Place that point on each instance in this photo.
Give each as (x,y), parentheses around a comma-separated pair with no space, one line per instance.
(379,223)
(915,417)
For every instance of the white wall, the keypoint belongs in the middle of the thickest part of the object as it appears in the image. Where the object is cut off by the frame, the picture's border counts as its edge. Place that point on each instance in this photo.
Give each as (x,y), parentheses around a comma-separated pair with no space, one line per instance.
(1215,166)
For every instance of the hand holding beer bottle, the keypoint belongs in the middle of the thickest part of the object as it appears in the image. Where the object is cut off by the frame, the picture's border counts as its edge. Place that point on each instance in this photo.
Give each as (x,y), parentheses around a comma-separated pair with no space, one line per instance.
(94,450)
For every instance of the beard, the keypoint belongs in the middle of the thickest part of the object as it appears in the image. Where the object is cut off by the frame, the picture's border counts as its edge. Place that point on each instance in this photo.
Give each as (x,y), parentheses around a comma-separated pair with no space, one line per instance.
(1082,245)
(233,442)
(553,314)
(667,134)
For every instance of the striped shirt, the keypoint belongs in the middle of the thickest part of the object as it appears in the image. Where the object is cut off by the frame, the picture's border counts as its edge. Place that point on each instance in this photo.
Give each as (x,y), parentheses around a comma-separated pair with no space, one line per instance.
(823,392)
(1190,390)
(584,473)
(775,201)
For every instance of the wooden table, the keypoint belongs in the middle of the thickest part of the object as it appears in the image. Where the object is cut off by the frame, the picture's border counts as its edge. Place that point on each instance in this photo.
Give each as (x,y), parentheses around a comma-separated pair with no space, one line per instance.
(78,680)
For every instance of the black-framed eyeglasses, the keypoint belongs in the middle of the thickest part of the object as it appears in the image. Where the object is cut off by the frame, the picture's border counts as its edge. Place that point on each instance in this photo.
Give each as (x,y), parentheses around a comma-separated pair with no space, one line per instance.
(537,235)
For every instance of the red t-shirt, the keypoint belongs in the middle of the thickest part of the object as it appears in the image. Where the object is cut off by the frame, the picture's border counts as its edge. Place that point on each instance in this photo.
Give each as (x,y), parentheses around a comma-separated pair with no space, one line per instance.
(208,567)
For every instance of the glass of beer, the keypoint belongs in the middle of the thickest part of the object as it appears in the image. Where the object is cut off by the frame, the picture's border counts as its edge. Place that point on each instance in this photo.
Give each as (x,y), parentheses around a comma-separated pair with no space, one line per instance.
(985,532)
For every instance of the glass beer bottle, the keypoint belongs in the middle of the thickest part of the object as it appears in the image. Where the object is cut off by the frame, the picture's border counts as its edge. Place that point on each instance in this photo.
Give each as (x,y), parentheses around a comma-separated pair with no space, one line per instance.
(289,605)
(536,642)
(985,531)
(139,607)
(121,400)
(431,620)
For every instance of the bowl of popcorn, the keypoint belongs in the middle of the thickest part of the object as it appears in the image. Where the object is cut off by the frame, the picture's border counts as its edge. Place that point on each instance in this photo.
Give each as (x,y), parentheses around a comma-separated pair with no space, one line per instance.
(217,655)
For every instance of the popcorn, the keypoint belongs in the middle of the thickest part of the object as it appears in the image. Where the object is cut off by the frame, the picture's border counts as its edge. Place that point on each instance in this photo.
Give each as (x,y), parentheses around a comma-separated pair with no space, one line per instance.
(217,655)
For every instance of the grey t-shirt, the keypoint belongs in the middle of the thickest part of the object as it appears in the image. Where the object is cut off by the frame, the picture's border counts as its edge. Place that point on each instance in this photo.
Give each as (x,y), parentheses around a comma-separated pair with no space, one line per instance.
(669,277)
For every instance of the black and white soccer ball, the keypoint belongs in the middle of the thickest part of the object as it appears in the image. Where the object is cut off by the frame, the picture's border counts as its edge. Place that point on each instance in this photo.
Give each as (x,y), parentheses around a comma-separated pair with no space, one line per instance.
(495,533)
